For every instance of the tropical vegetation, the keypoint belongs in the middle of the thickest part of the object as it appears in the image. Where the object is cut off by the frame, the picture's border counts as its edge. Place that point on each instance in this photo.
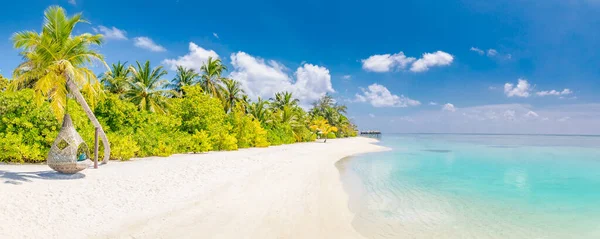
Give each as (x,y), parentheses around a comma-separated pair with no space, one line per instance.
(138,110)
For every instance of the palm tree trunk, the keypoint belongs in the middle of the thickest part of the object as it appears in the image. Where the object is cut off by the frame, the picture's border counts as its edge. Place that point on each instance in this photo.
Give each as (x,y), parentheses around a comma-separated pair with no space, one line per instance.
(86,108)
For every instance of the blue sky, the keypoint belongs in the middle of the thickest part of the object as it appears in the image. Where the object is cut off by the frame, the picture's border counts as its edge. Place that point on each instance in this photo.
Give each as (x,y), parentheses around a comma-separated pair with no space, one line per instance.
(461,66)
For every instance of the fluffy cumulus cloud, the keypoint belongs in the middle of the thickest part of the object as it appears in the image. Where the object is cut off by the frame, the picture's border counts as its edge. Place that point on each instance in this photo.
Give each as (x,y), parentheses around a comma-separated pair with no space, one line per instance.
(386,62)
(449,107)
(112,33)
(428,60)
(260,78)
(522,89)
(433,103)
(346,77)
(492,52)
(193,59)
(554,92)
(148,44)
(399,61)
(379,96)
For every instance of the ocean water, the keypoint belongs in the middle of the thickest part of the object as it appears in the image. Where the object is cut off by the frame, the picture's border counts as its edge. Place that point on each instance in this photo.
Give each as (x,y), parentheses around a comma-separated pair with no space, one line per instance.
(477,186)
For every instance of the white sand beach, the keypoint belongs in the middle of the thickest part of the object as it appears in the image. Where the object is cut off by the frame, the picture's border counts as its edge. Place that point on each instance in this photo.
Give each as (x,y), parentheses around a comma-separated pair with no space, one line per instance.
(291,191)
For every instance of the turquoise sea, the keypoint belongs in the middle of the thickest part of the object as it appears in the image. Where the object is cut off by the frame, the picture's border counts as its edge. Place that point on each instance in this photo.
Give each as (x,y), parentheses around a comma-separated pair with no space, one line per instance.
(477,186)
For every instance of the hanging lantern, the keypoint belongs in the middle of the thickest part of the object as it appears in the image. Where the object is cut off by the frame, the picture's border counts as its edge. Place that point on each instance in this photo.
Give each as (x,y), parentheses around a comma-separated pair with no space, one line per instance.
(69,153)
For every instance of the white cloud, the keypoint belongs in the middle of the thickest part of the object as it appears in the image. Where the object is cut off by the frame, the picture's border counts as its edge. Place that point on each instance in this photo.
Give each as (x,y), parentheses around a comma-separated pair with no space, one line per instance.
(563,119)
(433,103)
(554,92)
(438,58)
(521,90)
(491,53)
(479,51)
(531,114)
(215,35)
(112,33)
(380,96)
(346,77)
(265,78)
(193,60)
(372,115)
(496,119)
(72,2)
(147,43)
(386,62)
(449,107)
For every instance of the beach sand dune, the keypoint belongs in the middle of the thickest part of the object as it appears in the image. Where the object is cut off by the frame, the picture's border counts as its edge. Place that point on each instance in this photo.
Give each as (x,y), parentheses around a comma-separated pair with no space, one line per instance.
(291,191)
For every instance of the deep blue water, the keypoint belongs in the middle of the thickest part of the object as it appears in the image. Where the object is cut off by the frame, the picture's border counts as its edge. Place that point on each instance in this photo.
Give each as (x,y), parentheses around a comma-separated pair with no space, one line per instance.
(477,186)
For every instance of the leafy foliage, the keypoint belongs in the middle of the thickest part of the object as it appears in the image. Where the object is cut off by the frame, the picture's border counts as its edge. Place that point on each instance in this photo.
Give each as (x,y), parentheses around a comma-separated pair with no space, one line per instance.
(54,55)
(136,106)
(146,88)
(117,79)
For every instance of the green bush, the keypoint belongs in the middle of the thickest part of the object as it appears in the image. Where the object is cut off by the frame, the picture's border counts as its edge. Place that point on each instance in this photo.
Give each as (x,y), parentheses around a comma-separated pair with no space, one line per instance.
(122,147)
(247,130)
(195,123)
(197,143)
(14,150)
(331,135)
(27,130)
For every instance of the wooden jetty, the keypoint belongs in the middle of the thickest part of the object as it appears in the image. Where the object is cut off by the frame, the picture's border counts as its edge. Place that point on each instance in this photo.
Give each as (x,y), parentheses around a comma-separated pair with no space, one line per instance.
(371,133)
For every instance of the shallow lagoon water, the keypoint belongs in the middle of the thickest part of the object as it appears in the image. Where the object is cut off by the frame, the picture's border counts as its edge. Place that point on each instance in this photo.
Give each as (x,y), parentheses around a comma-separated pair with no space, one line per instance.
(477,186)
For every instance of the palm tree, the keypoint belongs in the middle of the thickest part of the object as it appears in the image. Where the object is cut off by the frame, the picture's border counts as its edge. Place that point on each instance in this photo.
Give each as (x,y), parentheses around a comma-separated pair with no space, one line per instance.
(232,94)
(245,101)
(321,126)
(3,83)
(184,77)
(146,88)
(259,110)
(283,99)
(116,80)
(288,115)
(211,77)
(55,65)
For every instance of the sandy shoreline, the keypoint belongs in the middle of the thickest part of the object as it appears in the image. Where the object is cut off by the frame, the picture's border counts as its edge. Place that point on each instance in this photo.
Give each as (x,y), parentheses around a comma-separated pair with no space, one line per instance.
(291,191)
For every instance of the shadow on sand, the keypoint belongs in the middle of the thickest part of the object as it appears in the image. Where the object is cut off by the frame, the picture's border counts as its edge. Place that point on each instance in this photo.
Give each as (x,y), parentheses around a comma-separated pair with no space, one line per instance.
(18,178)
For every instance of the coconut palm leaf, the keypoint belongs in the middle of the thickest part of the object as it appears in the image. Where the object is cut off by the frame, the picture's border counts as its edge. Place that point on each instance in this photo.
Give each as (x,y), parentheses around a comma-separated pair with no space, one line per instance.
(184,77)
(55,65)
(147,88)
(211,77)
(116,80)
(232,94)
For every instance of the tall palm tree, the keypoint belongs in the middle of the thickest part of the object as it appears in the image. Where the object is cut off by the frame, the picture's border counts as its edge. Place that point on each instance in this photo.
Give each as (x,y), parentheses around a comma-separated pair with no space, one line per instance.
(211,76)
(245,101)
(116,80)
(232,94)
(146,88)
(184,77)
(259,110)
(283,99)
(55,63)
(3,83)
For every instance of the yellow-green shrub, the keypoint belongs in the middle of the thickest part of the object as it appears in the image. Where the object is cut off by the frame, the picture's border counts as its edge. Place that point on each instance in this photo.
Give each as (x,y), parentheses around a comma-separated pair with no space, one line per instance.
(122,147)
